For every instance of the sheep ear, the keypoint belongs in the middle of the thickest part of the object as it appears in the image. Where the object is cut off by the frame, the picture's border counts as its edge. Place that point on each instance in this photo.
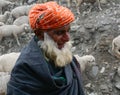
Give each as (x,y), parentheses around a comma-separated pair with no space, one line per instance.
(26,27)
(115,45)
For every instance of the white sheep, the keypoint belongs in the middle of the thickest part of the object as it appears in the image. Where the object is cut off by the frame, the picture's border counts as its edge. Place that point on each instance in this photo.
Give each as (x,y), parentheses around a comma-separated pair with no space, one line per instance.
(3,83)
(20,11)
(31,1)
(4,4)
(84,61)
(21,20)
(4,18)
(19,2)
(8,30)
(1,24)
(3,73)
(116,46)
(79,2)
(7,61)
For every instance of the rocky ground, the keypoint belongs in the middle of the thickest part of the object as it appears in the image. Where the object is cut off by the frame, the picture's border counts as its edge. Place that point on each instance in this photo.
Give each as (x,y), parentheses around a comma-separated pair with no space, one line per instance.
(92,34)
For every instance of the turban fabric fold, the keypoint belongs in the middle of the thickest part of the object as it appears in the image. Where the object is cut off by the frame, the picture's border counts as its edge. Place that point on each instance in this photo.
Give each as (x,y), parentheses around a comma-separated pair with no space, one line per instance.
(49,15)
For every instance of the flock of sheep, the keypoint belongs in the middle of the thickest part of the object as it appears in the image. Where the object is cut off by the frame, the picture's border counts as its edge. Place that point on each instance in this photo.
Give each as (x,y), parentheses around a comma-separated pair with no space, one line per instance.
(7,62)
(14,21)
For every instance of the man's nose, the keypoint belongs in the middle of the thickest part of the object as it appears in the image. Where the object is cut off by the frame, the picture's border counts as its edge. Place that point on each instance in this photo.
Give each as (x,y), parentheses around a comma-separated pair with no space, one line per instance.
(66,36)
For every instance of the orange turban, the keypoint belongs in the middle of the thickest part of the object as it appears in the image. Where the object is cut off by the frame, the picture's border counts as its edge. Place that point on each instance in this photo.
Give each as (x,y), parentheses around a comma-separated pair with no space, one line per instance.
(49,15)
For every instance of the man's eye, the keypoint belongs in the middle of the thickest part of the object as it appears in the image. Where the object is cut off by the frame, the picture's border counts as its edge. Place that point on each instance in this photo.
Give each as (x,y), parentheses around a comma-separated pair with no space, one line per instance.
(60,32)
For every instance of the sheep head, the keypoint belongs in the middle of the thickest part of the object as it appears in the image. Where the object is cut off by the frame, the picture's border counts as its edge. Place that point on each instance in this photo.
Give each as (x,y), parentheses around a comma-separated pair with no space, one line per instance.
(26,27)
(116,46)
(7,13)
(85,61)
(3,83)
(1,24)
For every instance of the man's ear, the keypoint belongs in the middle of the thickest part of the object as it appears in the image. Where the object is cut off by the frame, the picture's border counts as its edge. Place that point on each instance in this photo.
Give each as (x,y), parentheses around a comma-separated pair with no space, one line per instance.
(39,34)
(41,37)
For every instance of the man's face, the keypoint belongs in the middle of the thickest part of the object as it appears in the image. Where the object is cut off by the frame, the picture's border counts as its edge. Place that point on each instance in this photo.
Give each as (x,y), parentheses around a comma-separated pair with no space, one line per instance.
(61,57)
(60,35)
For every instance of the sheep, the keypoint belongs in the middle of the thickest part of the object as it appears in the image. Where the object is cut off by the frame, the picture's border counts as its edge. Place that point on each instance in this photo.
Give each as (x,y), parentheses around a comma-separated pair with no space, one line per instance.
(1,24)
(79,2)
(31,1)
(21,20)
(20,11)
(4,18)
(3,83)
(84,61)
(7,61)
(8,30)
(23,2)
(3,73)
(116,46)
(5,4)
(19,2)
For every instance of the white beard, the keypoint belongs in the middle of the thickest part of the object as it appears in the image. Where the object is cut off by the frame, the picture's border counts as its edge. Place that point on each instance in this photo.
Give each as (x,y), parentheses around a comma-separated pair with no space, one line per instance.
(61,57)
